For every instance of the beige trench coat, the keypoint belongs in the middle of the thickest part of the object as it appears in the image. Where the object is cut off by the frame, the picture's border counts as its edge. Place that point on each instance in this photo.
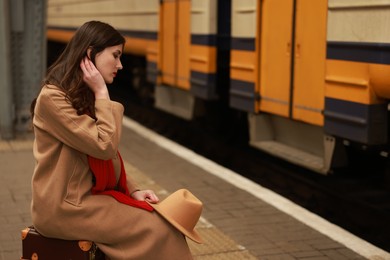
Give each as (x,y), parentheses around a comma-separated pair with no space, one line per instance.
(62,204)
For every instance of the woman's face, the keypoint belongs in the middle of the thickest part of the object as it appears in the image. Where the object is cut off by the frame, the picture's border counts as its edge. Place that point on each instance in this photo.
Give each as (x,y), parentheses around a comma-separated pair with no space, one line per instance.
(108,62)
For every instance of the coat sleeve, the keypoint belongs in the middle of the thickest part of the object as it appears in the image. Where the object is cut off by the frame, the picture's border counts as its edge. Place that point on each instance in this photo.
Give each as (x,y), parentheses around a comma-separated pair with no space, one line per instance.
(131,185)
(100,138)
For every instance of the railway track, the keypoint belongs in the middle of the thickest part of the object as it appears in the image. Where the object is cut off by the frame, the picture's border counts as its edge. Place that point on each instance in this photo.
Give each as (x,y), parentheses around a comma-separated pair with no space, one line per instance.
(354,199)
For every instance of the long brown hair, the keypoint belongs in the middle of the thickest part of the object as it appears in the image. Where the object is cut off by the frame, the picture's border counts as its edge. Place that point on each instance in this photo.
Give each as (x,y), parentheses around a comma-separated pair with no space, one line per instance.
(66,73)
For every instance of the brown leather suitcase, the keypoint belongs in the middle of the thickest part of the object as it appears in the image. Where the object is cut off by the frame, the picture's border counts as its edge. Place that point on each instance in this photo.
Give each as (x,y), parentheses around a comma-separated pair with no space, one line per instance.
(35,246)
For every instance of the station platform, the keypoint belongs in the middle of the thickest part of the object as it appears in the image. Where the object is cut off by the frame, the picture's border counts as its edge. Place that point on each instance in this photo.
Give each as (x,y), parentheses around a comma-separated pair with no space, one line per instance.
(240,219)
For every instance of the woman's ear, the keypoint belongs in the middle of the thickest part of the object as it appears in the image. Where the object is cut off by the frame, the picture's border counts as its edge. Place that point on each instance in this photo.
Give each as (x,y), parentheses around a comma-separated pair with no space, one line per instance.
(89,50)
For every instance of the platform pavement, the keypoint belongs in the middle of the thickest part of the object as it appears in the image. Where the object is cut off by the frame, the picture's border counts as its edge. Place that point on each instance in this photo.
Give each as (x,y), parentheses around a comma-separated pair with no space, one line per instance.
(16,167)
(259,227)
(234,224)
(16,164)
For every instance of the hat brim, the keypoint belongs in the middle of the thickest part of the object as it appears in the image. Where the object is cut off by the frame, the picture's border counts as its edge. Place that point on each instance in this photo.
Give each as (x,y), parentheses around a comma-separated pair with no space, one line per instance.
(192,234)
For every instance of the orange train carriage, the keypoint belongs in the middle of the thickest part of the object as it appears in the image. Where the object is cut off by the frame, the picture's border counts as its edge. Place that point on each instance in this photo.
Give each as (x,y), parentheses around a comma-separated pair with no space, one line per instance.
(312,76)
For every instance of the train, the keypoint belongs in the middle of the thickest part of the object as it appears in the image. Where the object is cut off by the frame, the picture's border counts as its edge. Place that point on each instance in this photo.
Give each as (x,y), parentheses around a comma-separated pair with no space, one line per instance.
(312,77)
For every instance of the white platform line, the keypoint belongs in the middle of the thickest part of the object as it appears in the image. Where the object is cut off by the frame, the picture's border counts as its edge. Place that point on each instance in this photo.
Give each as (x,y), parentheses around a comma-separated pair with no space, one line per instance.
(314,221)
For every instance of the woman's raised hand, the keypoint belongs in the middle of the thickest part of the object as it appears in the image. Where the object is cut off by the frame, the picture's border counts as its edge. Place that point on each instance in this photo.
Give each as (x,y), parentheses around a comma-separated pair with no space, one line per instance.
(94,79)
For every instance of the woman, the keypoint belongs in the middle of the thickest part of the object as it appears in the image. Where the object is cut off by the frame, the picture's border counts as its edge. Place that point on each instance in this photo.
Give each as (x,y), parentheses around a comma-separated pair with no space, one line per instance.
(77,131)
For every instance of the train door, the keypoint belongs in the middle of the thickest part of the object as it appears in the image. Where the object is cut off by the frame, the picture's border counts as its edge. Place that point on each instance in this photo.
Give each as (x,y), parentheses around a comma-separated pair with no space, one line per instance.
(172,90)
(309,61)
(291,51)
(174,40)
(292,59)
(275,56)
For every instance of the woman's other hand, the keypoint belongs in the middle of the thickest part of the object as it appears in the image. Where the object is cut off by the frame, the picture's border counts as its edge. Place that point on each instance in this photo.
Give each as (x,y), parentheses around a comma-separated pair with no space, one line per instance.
(94,79)
(143,195)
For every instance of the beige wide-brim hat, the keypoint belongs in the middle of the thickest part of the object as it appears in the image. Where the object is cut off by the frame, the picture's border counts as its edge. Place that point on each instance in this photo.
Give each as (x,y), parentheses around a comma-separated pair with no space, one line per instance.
(182,209)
